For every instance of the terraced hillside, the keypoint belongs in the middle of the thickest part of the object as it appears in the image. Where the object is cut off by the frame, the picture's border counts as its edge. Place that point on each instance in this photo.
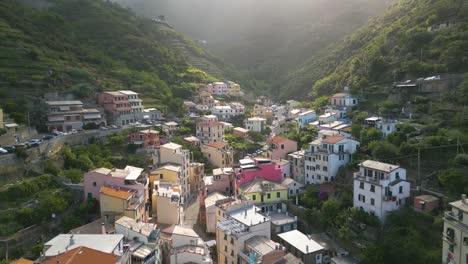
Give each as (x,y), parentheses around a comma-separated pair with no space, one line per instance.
(85,46)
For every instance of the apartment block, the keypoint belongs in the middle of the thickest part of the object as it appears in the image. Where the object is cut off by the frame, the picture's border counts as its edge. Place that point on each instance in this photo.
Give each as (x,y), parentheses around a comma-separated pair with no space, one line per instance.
(380,188)
(69,115)
(455,234)
(210,131)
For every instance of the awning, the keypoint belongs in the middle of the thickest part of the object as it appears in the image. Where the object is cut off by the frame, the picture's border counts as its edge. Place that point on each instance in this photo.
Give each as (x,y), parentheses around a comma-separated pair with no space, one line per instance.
(93,116)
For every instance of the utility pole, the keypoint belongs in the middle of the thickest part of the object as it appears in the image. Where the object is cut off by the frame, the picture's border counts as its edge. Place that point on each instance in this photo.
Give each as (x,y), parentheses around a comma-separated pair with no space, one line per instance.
(419,167)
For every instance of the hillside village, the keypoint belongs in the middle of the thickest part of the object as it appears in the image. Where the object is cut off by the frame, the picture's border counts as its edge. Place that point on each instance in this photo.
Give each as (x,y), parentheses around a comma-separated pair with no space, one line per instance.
(122,141)
(233,181)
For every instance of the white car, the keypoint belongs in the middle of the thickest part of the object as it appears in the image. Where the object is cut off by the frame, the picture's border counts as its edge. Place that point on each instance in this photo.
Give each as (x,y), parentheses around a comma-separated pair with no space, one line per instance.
(3,151)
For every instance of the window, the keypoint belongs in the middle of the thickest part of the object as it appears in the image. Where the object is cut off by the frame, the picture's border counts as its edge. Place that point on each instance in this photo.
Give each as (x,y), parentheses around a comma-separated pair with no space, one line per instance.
(225,236)
(254,197)
(397,175)
(400,189)
(341,157)
(278,194)
(268,195)
(90,195)
(232,253)
(232,240)
(161,176)
(290,191)
(225,248)
(372,188)
(372,201)
(94,184)
(282,146)
(361,185)
(325,168)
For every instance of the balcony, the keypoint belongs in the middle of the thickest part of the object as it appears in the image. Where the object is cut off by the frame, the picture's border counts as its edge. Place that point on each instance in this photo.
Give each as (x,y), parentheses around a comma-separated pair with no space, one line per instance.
(359,176)
(454,220)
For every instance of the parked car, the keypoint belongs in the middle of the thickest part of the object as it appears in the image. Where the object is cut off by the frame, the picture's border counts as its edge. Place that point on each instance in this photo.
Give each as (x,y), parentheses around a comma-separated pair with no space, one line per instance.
(113,126)
(10,149)
(3,151)
(103,128)
(33,143)
(20,146)
(57,133)
(48,137)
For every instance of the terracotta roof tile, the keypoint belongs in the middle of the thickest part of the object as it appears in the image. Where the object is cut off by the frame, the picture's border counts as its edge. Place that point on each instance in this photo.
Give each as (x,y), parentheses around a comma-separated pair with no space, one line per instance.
(122,194)
(333,139)
(217,144)
(210,123)
(83,255)
(22,261)
(278,139)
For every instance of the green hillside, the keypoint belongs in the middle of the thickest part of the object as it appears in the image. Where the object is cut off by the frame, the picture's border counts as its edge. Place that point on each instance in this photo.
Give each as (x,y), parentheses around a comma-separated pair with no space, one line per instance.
(393,46)
(90,45)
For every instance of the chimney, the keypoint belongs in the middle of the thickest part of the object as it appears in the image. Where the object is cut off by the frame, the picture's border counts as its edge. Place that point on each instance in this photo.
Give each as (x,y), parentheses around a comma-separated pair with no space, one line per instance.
(103,228)
(72,241)
(463,198)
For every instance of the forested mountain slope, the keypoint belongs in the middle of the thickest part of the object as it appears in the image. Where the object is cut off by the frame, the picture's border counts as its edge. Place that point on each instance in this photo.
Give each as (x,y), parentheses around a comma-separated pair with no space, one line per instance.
(399,44)
(91,45)
(264,39)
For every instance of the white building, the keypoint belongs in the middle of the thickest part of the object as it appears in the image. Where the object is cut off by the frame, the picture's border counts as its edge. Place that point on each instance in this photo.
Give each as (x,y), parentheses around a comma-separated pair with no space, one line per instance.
(306,117)
(237,108)
(151,114)
(210,205)
(326,155)
(256,124)
(209,118)
(380,188)
(135,103)
(455,234)
(343,99)
(108,243)
(188,247)
(327,118)
(223,112)
(210,131)
(387,126)
(294,187)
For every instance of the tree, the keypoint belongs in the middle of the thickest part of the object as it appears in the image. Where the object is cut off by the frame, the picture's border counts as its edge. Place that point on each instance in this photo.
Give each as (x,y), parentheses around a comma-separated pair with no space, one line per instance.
(330,210)
(370,134)
(383,150)
(256,136)
(75,175)
(50,168)
(453,180)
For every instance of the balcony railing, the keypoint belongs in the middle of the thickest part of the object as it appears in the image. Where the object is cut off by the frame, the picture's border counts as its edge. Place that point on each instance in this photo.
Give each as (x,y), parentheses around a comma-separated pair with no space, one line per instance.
(452,218)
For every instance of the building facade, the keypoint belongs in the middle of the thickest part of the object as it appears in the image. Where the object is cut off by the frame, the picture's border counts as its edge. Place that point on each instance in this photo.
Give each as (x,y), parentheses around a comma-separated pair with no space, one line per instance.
(210,131)
(68,115)
(380,188)
(256,124)
(455,233)
(325,156)
(219,154)
(280,147)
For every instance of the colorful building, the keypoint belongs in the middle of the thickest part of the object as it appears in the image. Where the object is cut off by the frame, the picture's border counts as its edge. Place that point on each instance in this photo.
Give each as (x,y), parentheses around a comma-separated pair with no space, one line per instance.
(118,108)
(210,131)
(130,178)
(118,202)
(145,138)
(196,174)
(267,195)
(219,154)
(251,169)
(237,227)
(280,147)
(166,202)
(69,115)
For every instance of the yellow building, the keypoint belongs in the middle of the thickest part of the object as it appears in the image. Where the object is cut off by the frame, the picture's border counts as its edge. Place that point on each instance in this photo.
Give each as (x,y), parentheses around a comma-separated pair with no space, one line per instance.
(267,195)
(196,173)
(233,88)
(119,202)
(219,154)
(168,173)
(263,112)
(166,202)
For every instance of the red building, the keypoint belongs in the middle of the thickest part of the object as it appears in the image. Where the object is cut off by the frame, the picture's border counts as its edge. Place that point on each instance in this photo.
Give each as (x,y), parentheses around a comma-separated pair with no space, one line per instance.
(118,106)
(145,138)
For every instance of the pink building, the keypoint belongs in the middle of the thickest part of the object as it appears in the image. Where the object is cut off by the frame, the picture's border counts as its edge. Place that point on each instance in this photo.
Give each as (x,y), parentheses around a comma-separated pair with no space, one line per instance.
(145,138)
(217,88)
(128,178)
(250,169)
(118,106)
(280,147)
(221,181)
